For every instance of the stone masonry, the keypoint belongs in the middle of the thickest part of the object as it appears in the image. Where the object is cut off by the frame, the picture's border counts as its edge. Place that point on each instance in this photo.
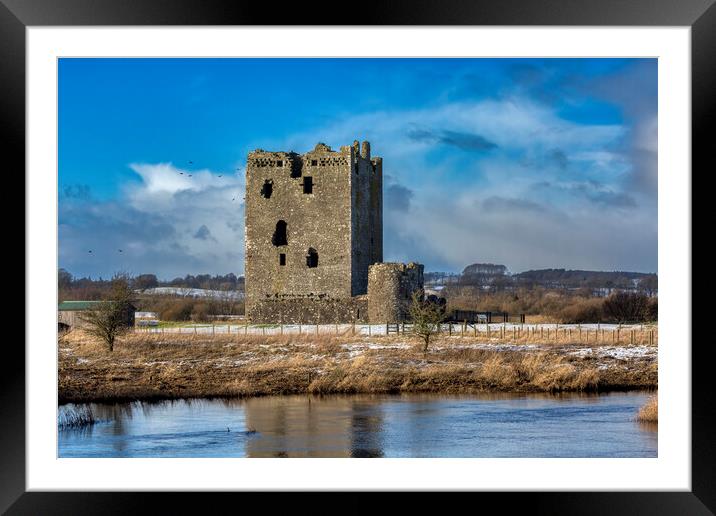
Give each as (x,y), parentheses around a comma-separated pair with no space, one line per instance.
(390,288)
(314,228)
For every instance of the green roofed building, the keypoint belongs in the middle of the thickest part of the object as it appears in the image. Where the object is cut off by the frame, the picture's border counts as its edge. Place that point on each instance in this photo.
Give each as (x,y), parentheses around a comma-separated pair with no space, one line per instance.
(68,314)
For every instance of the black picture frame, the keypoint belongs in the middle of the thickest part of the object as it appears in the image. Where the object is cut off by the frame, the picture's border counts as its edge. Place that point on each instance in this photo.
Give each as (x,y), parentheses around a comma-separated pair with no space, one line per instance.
(700,15)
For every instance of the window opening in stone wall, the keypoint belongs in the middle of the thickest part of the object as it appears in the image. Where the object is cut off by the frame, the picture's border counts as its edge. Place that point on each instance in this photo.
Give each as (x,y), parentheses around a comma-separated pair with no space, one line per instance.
(279,163)
(312,258)
(267,189)
(307,184)
(279,236)
(296,165)
(282,259)
(314,162)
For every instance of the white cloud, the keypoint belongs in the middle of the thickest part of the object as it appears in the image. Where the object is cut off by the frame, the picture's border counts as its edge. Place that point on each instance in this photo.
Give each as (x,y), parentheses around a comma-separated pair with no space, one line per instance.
(156,223)
(456,206)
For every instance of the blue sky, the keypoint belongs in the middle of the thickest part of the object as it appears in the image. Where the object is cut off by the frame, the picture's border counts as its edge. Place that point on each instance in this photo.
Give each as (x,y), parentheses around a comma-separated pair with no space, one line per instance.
(533,163)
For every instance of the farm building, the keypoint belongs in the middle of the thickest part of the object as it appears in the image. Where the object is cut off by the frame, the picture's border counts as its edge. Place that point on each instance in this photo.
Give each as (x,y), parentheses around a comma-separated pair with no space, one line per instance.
(69,314)
(146,318)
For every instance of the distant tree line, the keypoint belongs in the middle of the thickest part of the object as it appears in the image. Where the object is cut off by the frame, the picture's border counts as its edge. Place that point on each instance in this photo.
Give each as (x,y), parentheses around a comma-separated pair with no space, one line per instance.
(87,288)
(169,307)
(496,278)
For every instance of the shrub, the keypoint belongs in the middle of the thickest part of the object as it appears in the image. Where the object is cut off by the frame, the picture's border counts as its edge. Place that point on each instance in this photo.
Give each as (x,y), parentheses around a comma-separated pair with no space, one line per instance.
(582,311)
(626,307)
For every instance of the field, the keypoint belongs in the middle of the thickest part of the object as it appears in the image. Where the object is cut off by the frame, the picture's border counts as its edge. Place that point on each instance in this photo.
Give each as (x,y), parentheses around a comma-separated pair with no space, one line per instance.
(344,359)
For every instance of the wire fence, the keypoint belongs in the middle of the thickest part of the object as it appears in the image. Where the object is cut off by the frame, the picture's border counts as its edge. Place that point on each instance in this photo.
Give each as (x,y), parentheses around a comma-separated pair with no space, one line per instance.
(634,334)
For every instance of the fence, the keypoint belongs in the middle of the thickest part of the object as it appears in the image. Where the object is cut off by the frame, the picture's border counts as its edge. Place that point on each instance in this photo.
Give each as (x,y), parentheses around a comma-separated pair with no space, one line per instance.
(475,317)
(637,334)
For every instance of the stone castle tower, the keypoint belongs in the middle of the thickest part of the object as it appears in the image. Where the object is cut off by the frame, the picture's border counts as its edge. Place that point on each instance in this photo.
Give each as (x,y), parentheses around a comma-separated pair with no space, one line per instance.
(314,225)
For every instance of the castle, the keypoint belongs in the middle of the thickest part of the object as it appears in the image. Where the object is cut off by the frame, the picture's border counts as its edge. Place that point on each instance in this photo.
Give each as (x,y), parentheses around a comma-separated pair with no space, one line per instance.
(314,239)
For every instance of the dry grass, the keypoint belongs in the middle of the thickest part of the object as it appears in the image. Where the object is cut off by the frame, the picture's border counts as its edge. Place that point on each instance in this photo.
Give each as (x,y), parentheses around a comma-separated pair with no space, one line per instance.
(649,413)
(644,334)
(154,366)
(76,417)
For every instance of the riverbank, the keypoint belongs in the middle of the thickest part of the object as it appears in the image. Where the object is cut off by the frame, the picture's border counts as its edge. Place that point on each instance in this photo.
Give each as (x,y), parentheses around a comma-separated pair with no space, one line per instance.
(167,366)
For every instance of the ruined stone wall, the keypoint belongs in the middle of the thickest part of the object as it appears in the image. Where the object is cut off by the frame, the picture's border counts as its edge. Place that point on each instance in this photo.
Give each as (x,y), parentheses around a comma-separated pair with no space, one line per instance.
(376,211)
(319,220)
(339,217)
(310,311)
(390,287)
(361,220)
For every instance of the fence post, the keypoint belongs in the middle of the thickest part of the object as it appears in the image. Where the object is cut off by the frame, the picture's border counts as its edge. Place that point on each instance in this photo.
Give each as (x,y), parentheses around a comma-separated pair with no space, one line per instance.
(213,332)
(281,328)
(354,328)
(316,328)
(246,328)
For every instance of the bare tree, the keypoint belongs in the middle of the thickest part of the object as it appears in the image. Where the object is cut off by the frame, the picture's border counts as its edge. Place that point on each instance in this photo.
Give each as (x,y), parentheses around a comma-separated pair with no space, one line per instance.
(426,317)
(108,319)
(627,307)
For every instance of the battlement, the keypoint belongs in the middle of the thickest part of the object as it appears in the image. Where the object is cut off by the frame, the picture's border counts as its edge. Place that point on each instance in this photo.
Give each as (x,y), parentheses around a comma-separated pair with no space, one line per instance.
(320,156)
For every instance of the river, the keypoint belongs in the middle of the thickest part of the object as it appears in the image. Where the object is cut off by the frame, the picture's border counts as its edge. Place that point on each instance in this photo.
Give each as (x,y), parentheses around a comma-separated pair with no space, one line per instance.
(412,425)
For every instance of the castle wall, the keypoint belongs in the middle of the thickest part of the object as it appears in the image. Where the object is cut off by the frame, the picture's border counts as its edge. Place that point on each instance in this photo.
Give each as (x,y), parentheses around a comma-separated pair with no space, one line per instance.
(310,311)
(360,222)
(390,287)
(318,220)
(326,204)
(376,211)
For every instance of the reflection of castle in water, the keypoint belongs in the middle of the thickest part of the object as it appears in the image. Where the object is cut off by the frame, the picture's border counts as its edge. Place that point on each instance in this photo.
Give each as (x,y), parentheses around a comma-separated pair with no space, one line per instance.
(333,427)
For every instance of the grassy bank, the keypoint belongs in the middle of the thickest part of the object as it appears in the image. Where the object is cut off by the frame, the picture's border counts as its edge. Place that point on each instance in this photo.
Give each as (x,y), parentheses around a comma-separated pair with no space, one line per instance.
(155,366)
(649,413)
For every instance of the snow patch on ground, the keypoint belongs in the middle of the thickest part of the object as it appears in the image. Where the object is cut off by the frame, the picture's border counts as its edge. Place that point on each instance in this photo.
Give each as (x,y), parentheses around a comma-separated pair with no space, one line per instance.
(617,352)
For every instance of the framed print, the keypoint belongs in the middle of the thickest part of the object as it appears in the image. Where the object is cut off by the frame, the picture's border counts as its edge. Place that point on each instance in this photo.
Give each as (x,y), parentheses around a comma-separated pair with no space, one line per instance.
(428,238)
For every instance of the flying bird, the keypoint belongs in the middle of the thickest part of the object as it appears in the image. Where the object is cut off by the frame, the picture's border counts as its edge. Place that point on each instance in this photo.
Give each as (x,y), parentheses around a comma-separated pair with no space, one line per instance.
(119,250)
(89,251)
(191,162)
(181,173)
(221,175)
(189,175)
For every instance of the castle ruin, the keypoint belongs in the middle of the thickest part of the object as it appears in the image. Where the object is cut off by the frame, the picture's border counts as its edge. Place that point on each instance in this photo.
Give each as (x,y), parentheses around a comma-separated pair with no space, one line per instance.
(314,239)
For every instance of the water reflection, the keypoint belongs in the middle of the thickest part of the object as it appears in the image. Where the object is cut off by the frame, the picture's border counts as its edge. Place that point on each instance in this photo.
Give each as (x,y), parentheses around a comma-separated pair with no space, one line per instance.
(490,425)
